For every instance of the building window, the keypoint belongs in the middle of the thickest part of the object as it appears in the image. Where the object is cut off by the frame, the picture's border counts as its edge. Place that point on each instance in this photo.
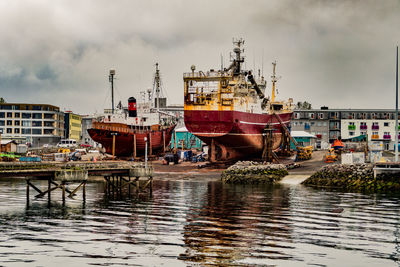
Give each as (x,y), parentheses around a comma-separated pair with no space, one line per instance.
(311,115)
(9,114)
(36,131)
(36,124)
(375,133)
(363,133)
(324,123)
(2,115)
(17,123)
(26,115)
(48,116)
(2,123)
(17,115)
(50,124)
(36,115)
(27,123)
(16,130)
(48,131)
(9,123)
(386,124)
(36,107)
(351,123)
(6,107)
(9,130)
(26,131)
(351,133)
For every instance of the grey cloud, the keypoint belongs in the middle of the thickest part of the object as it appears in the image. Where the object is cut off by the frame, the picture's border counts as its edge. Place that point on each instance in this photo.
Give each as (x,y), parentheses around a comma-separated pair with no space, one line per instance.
(335,53)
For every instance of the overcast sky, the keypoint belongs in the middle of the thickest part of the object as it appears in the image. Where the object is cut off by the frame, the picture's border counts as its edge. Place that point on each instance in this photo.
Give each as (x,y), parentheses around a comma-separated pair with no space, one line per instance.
(335,53)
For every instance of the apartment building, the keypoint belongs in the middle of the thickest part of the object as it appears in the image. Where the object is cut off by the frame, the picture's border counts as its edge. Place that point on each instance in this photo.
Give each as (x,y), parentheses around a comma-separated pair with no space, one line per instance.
(36,124)
(315,122)
(329,124)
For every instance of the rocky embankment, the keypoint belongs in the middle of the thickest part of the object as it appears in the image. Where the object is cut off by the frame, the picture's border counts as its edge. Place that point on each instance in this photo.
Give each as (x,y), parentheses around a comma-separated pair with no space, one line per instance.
(355,177)
(249,172)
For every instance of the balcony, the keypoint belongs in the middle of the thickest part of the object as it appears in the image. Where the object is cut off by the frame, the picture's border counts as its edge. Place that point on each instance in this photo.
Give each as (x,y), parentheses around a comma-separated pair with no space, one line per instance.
(363,127)
(352,127)
(375,127)
(387,136)
(375,136)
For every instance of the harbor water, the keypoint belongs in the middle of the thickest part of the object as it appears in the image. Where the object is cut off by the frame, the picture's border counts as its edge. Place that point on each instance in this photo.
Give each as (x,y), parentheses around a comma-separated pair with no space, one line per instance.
(195,222)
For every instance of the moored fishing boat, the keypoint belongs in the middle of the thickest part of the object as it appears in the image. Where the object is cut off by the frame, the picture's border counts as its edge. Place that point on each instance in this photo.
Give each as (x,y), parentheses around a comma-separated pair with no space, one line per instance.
(134,127)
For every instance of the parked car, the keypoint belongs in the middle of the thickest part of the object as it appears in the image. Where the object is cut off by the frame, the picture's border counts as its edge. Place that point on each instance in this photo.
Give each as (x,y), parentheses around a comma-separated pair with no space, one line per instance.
(67,143)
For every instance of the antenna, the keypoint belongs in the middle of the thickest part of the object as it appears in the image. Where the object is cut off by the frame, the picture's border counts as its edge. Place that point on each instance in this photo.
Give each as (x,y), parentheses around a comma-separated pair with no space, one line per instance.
(111,79)
(222,62)
(262,63)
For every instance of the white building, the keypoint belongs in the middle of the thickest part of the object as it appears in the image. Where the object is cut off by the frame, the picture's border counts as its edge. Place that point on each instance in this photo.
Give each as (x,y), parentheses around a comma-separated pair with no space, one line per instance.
(383,129)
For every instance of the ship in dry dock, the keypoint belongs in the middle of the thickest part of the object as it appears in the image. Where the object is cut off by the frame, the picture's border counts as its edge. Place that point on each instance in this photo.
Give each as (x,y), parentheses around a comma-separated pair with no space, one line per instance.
(133,128)
(228,110)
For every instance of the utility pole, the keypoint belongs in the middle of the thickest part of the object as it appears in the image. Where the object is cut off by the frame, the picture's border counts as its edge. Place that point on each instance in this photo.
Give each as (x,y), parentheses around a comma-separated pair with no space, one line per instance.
(111,79)
(145,152)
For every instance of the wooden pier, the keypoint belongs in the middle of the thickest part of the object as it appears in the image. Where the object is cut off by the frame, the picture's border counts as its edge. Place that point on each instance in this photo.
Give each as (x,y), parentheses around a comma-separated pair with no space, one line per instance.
(117,176)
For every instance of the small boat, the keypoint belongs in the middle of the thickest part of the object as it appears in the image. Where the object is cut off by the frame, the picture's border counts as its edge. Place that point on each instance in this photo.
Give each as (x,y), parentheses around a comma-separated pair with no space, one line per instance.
(130,129)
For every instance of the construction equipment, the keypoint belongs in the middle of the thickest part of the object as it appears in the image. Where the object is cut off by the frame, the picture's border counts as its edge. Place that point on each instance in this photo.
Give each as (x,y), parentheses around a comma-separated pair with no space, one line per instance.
(331,156)
(304,153)
(64,150)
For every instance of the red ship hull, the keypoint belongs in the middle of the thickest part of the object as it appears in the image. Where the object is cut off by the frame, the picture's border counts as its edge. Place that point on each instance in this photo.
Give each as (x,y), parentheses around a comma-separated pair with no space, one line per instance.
(124,140)
(237,134)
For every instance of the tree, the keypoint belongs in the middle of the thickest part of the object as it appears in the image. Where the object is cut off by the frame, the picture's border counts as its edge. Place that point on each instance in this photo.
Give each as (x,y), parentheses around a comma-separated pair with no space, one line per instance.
(303,105)
(2,100)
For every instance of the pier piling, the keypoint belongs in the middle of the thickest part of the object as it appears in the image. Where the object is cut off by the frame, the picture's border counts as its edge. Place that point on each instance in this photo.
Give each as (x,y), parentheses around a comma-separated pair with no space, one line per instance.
(58,176)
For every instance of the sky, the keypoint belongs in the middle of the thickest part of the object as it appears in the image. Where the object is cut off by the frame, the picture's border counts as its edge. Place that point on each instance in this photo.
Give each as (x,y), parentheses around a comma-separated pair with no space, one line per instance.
(339,54)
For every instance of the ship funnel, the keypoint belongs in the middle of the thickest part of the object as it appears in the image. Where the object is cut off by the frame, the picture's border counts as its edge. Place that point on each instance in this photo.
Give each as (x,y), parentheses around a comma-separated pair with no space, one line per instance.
(132,107)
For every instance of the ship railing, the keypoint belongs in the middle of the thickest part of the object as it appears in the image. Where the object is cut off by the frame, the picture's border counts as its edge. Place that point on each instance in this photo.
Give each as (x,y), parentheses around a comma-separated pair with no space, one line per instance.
(208,74)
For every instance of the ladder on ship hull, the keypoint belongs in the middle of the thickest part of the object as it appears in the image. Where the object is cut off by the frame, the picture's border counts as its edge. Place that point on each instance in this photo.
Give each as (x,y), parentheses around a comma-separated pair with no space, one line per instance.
(268,154)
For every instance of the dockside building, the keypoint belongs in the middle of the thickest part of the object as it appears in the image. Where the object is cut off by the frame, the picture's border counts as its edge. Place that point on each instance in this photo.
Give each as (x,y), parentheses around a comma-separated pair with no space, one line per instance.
(72,126)
(37,124)
(329,124)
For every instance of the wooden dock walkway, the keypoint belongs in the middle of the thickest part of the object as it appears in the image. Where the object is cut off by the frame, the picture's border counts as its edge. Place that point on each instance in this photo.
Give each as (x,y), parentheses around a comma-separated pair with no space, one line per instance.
(117,176)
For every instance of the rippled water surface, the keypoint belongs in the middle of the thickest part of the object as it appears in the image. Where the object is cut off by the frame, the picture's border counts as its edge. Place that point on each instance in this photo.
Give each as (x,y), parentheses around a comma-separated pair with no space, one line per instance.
(200,223)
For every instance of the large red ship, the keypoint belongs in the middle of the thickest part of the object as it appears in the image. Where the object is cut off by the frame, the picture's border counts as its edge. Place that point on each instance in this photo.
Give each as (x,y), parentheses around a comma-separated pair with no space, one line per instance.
(128,131)
(227,109)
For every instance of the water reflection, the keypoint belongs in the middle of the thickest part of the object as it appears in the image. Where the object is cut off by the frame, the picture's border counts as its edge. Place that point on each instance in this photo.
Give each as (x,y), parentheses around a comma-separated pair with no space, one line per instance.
(200,223)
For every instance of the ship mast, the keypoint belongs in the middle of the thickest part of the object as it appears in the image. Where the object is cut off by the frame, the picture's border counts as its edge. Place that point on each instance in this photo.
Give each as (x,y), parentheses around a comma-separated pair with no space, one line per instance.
(274,79)
(238,59)
(157,86)
(111,79)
